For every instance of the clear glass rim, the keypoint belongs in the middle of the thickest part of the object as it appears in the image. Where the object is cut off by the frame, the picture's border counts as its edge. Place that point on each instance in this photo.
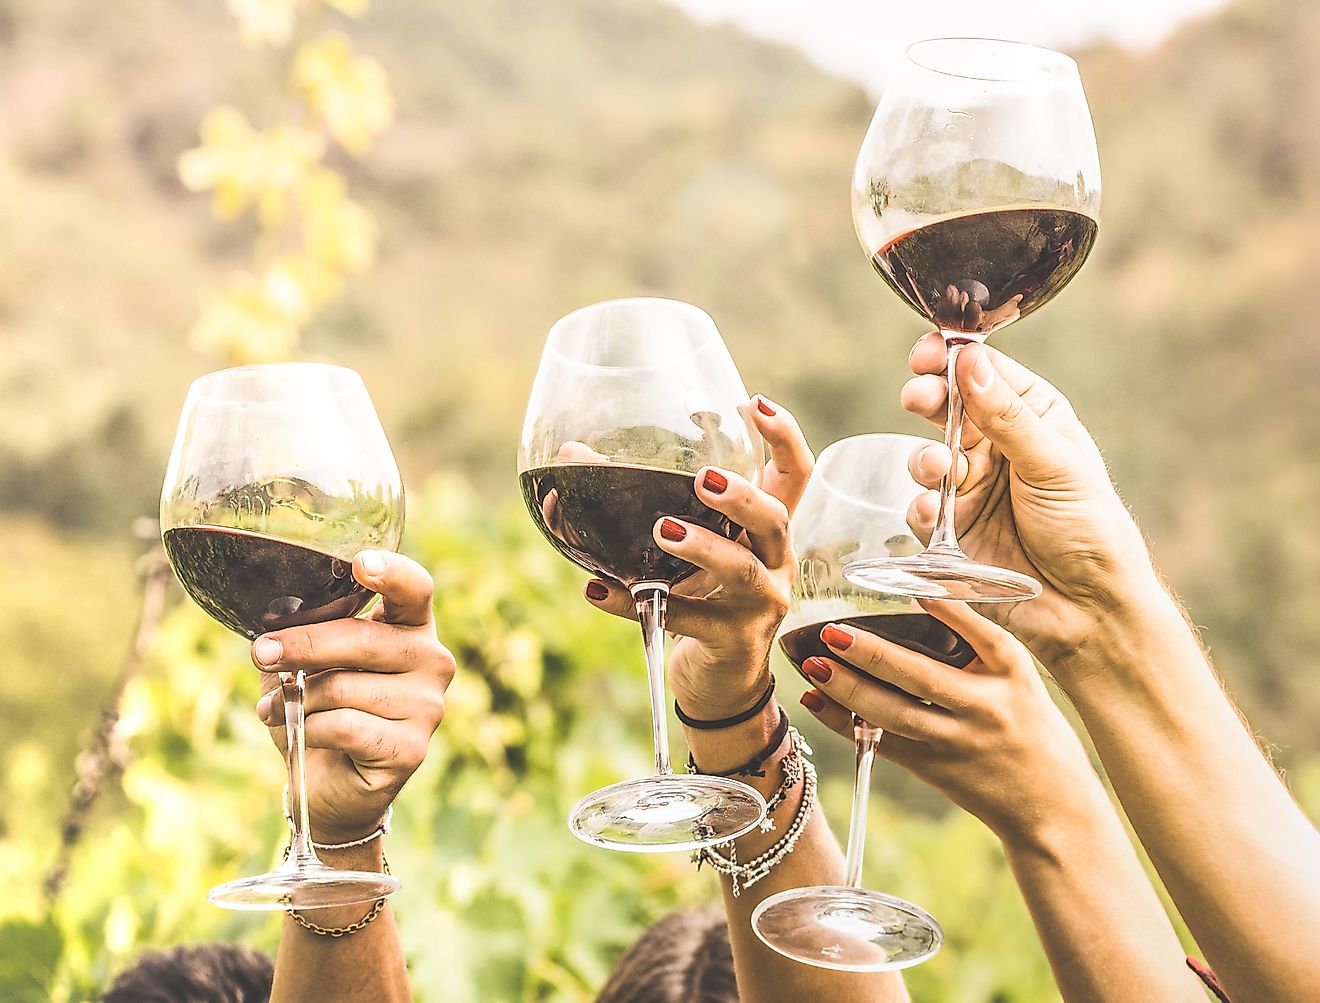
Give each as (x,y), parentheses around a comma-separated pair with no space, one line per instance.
(677,306)
(338,381)
(852,441)
(1055,64)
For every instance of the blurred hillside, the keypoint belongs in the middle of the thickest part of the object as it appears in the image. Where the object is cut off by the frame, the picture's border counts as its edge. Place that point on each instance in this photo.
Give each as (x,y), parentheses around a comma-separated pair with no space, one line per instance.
(549,155)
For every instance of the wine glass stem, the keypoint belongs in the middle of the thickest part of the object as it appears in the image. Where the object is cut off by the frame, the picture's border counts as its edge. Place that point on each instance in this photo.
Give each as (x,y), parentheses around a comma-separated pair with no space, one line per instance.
(944,539)
(867,739)
(292,688)
(652,598)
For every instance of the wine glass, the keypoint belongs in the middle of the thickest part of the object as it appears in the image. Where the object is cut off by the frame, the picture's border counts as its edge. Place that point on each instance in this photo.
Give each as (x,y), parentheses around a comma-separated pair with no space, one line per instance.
(633,397)
(854,509)
(976,195)
(279,475)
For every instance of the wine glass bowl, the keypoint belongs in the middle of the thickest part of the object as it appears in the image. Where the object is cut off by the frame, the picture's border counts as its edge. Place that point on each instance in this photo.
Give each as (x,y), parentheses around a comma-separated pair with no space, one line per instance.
(976,196)
(278,476)
(631,400)
(855,509)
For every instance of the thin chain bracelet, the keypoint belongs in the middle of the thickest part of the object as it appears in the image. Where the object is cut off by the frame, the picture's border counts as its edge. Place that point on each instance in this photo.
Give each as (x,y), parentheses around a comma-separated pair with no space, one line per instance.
(381,830)
(341,931)
(745,875)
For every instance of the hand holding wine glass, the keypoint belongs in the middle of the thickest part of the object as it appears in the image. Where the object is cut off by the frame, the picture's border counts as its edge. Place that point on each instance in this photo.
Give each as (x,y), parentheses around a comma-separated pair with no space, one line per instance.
(726,616)
(1036,497)
(375,694)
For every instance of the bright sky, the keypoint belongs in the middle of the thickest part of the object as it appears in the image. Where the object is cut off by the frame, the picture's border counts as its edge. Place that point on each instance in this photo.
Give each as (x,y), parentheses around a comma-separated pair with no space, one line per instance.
(858,38)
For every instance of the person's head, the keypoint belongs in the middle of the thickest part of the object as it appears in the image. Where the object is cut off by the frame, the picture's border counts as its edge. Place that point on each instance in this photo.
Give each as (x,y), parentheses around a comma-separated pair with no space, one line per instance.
(684,958)
(208,973)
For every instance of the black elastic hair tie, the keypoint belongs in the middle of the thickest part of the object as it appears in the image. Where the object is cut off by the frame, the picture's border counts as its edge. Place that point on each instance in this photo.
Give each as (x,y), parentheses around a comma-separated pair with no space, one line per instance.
(728,722)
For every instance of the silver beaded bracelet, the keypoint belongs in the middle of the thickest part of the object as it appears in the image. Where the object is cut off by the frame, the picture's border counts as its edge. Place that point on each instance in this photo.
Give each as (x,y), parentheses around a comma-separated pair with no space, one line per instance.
(381,830)
(795,766)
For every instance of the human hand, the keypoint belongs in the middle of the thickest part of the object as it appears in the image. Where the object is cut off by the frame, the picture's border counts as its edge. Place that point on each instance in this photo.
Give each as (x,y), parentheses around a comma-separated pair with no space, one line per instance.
(990,737)
(374,696)
(728,613)
(1035,496)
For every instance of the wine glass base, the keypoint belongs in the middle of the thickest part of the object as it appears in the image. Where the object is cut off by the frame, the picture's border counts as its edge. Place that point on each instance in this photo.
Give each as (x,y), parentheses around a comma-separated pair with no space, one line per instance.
(315,887)
(847,929)
(667,814)
(941,576)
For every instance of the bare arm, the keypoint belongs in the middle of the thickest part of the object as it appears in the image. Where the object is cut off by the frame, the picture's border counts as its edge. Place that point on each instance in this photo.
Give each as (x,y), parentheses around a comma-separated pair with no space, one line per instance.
(992,739)
(367,729)
(1237,854)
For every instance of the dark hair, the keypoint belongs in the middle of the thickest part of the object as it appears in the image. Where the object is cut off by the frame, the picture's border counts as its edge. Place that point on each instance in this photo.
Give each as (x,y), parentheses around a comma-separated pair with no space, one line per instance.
(684,958)
(207,973)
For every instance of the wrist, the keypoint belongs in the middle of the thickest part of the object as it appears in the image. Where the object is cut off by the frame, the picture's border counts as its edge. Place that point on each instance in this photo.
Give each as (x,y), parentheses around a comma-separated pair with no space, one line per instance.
(715,694)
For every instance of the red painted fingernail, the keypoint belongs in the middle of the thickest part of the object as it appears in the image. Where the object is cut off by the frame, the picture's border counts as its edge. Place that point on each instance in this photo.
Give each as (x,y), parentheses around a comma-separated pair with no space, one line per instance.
(597,590)
(818,669)
(836,637)
(813,701)
(672,531)
(715,482)
(765,408)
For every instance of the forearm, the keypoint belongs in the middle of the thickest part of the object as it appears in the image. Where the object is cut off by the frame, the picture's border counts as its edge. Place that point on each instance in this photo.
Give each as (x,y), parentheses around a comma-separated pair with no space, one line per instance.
(363,967)
(763,975)
(1104,929)
(1236,853)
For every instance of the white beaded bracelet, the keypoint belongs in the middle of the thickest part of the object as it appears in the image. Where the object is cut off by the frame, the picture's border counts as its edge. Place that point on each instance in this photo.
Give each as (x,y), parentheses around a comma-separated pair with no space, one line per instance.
(381,830)
(795,764)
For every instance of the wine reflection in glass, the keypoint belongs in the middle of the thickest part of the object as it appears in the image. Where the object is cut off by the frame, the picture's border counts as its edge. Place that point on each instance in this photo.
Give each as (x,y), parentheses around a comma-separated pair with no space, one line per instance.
(279,475)
(632,398)
(855,509)
(976,195)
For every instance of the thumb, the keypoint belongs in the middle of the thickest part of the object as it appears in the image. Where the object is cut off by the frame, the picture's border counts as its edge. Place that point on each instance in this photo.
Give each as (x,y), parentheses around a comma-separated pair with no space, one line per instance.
(1035,449)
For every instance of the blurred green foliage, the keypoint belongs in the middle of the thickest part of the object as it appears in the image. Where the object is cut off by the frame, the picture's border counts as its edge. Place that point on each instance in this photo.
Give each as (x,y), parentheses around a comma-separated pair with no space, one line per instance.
(541,157)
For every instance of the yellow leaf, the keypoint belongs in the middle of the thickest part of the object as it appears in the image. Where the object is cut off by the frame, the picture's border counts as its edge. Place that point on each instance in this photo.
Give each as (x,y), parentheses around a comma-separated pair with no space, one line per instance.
(266,22)
(349,93)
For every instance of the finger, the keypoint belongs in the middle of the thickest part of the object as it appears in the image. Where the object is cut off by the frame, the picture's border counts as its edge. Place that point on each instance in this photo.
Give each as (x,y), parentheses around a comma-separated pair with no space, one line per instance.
(738,570)
(925,396)
(832,715)
(368,740)
(1036,449)
(579,452)
(876,703)
(922,513)
(924,677)
(392,698)
(761,514)
(930,462)
(790,465)
(703,619)
(930,356)
(405,587)
(997,650)
(351,643)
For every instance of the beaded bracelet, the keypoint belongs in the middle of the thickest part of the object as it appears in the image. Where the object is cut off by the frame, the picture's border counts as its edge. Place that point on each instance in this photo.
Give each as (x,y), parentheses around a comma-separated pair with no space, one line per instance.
(796,766)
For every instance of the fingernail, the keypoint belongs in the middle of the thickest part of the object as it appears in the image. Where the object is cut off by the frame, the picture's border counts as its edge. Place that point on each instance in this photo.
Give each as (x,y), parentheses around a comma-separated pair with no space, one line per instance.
(373,563)
(836,637)
(765,408)
(818,669)
(267,650)
(264,706)
(672,531)
(813,701)
(597,590)
(983,371)
(715,482)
